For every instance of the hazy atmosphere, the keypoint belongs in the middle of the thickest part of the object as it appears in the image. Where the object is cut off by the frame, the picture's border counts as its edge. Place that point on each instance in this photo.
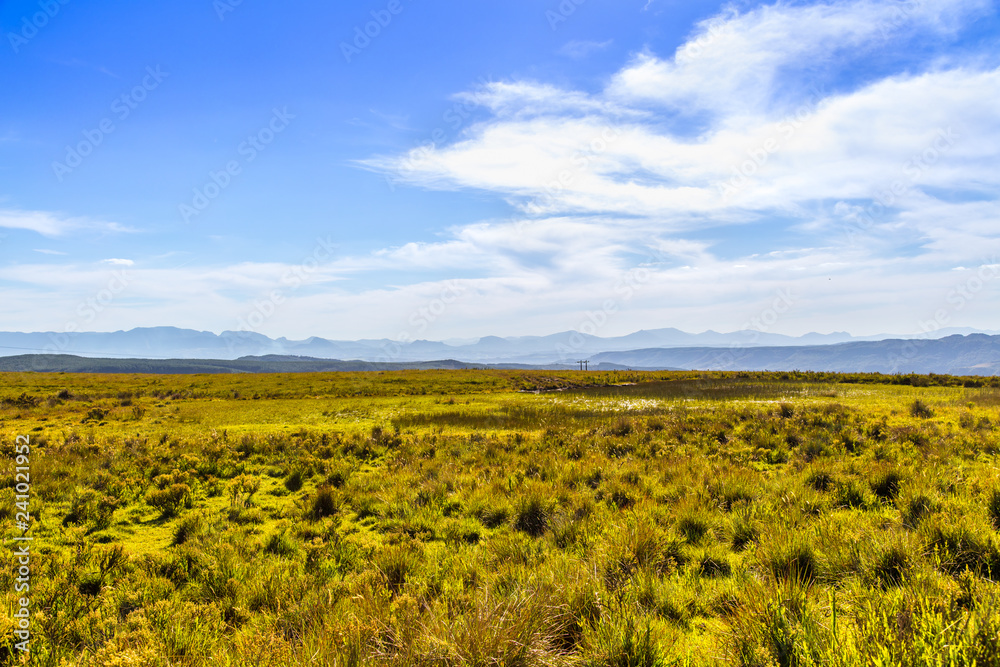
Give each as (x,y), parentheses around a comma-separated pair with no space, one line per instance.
(452,170)
(520,333)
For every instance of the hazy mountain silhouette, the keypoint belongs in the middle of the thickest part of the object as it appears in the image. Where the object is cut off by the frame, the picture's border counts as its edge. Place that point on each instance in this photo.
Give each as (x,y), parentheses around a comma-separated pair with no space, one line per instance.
(975,354)
(560,348)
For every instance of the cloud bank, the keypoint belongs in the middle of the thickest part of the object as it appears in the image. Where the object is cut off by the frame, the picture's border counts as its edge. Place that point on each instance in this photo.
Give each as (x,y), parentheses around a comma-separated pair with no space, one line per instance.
(807,149)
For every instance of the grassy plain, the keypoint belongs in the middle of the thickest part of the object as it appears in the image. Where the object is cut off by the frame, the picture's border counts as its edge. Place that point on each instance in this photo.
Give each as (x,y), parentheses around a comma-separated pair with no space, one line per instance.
(484,518)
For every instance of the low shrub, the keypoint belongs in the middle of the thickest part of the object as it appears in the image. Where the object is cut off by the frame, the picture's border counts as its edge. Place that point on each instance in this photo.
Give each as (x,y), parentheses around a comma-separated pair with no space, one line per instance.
(853,495)
(744,529)
(795,559)
(280,544)
(532,515)
(621,641)
(891,565)
(188,528)
(694,526)
(294,480)
(820,480)
(325,503)
(170,499)
(886,484)
(92,509)
(960,545)
(993,508)
(916,507)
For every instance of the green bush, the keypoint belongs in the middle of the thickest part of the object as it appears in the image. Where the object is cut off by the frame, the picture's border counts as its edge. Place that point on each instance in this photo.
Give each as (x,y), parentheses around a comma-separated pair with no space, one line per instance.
(532,516)
(324,503)
(92,509)
(712,563)
(916,507)
(886,484)
(280,544)
(242,490)
(795,559)
(694,526)
(853,495)
(993,507)
(820,480)
(960,546)
(621,642)
(774,624)
(892,564)
(294,481)
(920,409)
(189,528)
(397,563)
(170,499)
(744,529)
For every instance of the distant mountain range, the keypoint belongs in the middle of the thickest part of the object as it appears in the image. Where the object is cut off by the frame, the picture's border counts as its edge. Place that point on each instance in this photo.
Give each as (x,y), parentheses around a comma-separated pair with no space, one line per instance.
(974,354)
(565,348)
(66,363)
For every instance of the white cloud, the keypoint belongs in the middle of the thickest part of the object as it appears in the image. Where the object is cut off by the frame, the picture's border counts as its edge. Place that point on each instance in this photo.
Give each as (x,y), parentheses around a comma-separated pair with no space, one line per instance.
(528,98)
(884,183)
(583,48)
(52,224)
(733,63)
(685,193)
(118,262)
(843,146)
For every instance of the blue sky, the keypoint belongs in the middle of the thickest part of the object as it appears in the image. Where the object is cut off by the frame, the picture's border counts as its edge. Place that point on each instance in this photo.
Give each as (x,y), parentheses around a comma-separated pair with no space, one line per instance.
(502,167)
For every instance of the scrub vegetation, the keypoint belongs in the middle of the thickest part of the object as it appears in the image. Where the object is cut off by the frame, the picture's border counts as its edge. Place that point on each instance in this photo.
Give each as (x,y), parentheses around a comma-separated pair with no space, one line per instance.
(514,518)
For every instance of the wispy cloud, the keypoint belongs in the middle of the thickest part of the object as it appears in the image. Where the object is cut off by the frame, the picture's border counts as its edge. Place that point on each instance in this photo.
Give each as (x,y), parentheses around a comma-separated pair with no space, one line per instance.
(77,63)
(52,224)
(685,192)
(687,150)
(746,63)
(583,48)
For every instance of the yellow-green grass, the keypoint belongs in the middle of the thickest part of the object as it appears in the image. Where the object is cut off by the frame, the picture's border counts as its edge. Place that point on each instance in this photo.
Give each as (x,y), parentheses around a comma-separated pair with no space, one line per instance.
(449,518)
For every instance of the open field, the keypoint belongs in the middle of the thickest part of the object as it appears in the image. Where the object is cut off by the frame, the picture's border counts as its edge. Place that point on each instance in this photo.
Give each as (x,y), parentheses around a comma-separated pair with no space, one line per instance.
(483,518)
